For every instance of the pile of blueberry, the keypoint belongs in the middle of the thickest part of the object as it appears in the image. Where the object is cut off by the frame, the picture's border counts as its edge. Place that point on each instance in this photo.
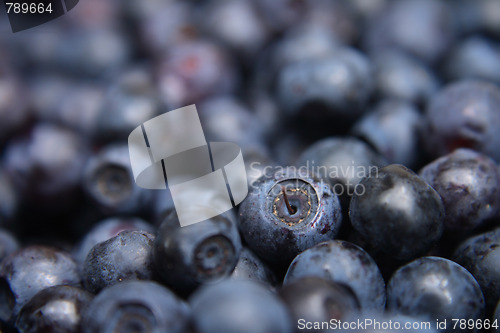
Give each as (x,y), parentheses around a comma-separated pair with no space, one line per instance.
(370,131)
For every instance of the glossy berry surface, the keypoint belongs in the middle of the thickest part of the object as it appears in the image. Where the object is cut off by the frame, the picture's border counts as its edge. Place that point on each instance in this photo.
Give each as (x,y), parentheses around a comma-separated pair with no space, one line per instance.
(433,287)
(287,212)
(480,255)
(398,213)
(314,299)
(136,306)
(257,309)
(464,114)
(187,257)
(127,256)
(342,262)
(469,184)
(61,306)
(30,270)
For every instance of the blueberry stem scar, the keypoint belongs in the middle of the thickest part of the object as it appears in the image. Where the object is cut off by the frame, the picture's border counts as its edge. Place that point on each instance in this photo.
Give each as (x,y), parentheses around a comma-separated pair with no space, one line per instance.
(291,209)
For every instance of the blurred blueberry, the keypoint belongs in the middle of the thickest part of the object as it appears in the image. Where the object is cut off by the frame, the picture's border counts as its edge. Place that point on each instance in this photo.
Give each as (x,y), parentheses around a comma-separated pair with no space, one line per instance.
(251,267)
(314,299)
(286,212)
(136,306)
(464,114)
(200,253)
(469,184)
(239,306)
(14,110)
(392,128)
(424,28)
(26,272)
(127,256)
(397,213)
(54,309)
(398,75)
(475,58)
(8,243)
(435,288)
(346,263)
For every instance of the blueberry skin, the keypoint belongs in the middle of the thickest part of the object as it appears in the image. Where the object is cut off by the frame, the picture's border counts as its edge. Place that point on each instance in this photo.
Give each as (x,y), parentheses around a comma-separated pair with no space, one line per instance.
(239,306)
(10,202)
(197,254)
(346,263)
(422,28)
(469,184)
(496,316)
(127,256)
(475,58)
(463,114)
(251,267)
(45,176)
(34,268)
(136,306)
(109,183)
(435,288)
(480,256)
(8,243)
(54,309)
(401,76)
(392,128)
(398,214)
(341,160)
(341,83)
(105,230)
(278,235)
(314,299)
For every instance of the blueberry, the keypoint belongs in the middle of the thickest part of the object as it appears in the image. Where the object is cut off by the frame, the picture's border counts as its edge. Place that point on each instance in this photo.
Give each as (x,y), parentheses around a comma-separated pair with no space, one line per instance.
(196,254)
(251,267)
(239,306)
(10,202)
(127,256)
(34,268)
(424,28)
(463,114)
(435,288)
(398,75)
(194,71)
(342,262)
(286,212)
(313,299)
(14,111)
(469,184)
(47,177)
(109,183)
(475,58)
(398,213)
(393,129)
(8,243)
(341,84)
(105,230)
(136,306)
(342,161)
(495,328)
(54,309)
(480,255)
(130,101)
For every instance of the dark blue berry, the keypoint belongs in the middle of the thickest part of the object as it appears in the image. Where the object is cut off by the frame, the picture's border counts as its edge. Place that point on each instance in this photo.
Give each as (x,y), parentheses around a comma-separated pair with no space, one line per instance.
(136,306)
(30,270)
(435,288)
(239,306)
(464,114)
(398,213)
(286,212)
(54,309)
(469,184)
(127,256)
(346,263)
(8,243)
(200,253)
(251,267)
